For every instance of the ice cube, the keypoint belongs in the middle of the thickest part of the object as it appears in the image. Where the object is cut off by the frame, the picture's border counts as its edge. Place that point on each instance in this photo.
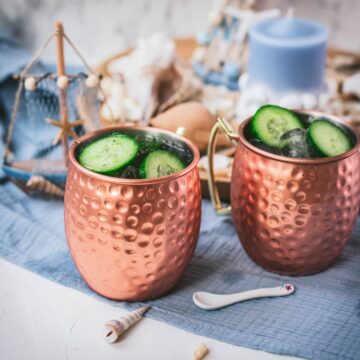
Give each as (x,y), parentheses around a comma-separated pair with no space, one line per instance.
(130,172)
(294,144)
(259,144)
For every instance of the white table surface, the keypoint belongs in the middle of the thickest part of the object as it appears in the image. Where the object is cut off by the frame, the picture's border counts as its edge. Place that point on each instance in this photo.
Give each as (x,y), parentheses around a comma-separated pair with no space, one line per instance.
(43,320)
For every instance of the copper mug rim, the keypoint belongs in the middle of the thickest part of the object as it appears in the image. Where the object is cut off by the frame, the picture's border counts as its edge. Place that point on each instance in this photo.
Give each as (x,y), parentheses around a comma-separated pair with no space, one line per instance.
(312,161)
(82,139)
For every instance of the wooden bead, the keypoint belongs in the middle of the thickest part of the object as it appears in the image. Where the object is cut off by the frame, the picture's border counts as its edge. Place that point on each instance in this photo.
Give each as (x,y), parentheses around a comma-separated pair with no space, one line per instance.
(215,18)
(62,82)
(199,54)
(92,81)
(30,84)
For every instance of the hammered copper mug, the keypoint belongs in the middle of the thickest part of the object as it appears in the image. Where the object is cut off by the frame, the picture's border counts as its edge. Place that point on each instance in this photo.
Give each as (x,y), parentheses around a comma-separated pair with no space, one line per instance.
(292,216)
(131,239)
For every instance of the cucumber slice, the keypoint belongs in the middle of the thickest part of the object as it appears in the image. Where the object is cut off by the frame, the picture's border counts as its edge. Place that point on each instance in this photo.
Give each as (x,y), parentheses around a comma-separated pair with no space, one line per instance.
(160,163)
(109,154)
(270,122)
(328,139)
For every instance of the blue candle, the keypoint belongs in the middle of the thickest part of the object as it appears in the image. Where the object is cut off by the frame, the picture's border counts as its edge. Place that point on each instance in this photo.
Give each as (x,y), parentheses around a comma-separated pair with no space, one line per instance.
(288,54)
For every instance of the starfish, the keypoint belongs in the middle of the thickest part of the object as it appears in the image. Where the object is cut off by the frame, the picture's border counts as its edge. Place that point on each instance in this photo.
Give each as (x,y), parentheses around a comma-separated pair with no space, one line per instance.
(65,128)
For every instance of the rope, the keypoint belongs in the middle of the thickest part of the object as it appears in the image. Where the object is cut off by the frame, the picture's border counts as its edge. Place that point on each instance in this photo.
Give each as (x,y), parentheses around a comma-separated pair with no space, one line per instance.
(7,151)
(34,59)
(91,70)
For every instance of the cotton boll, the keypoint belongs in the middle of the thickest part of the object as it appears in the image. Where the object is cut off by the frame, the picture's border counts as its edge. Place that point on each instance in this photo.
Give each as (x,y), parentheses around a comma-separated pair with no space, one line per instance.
(106,85)
(323,100)
(259,94)
(291,101)
(118,90)
(244,109)
(308,101)
(113,108)
(132,110)
(243,81)
(351,85)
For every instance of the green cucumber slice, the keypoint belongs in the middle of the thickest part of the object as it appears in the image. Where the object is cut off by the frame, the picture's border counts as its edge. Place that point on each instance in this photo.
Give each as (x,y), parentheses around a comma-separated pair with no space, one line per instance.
(109,154)
(160,163)
(270,122)
(328,139)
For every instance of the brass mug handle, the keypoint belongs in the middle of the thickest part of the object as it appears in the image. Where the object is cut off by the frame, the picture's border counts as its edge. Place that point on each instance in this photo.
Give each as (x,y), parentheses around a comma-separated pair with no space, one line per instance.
(233,137)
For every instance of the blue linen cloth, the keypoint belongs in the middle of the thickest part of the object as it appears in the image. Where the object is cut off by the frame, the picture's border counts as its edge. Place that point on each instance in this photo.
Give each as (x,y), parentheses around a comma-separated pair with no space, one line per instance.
(320,321)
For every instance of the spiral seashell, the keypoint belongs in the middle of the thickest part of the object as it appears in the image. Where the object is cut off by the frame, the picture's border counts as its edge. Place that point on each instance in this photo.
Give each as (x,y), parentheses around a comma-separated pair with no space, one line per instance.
(201,352)
(39,183)
(115,328)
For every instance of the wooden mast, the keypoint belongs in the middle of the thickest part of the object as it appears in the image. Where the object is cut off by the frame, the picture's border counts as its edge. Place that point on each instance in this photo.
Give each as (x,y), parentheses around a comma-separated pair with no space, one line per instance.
(59,39)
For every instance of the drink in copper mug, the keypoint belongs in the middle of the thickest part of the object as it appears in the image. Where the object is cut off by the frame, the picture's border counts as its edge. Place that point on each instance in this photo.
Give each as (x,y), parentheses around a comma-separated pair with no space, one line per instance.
(131,238)
(295,215)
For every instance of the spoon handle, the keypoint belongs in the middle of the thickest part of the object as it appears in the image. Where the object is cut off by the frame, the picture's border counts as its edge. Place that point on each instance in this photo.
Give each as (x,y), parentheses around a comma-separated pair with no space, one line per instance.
(209,301)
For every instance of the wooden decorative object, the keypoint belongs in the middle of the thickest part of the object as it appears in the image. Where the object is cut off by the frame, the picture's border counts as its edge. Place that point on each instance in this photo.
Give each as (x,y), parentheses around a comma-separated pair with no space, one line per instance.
(45,95)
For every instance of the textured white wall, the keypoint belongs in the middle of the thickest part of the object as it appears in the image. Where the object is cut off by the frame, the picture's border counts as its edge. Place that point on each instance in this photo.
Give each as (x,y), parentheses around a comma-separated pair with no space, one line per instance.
(102,27)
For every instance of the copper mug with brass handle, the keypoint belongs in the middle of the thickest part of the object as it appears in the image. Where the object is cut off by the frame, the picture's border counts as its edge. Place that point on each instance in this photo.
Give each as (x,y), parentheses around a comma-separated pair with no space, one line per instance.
(132,239)
(293,216)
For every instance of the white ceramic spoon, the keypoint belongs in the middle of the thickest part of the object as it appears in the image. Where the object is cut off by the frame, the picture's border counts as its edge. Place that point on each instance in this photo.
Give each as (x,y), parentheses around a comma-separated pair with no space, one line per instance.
(209,301)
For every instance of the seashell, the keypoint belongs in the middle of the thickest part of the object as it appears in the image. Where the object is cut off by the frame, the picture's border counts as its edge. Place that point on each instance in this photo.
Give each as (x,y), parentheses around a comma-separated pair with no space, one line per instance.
(30,84)
(115,328)
(201,352)
(62,82)
(37,182)
(173,88)
(193,116)
(351,85)
(332,87)
(92,81)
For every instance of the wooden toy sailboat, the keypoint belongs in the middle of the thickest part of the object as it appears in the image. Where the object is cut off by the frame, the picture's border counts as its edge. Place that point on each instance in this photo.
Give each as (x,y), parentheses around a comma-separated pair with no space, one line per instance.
(58,107)
(218,58)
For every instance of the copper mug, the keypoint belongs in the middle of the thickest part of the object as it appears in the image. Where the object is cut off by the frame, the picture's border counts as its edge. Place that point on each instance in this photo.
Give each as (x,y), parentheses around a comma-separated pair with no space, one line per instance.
(292,216)
(132,239)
